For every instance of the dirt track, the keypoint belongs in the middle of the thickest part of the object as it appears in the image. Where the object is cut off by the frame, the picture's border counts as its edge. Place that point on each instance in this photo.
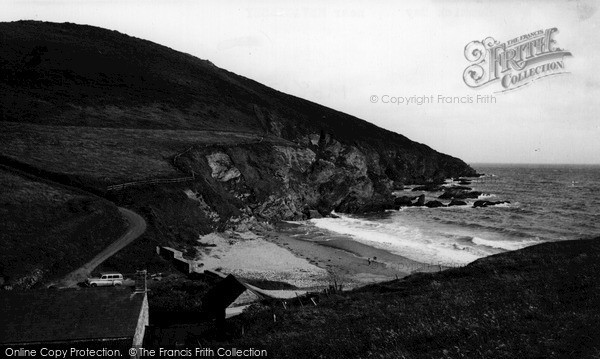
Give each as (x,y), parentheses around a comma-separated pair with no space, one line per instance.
(137,226)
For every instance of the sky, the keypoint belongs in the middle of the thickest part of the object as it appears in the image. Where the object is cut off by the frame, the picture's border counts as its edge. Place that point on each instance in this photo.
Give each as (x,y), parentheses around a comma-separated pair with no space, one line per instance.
(360,56)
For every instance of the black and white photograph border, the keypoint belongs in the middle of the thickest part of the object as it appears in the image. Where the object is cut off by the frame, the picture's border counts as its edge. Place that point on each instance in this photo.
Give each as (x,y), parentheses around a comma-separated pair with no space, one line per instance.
(275,179)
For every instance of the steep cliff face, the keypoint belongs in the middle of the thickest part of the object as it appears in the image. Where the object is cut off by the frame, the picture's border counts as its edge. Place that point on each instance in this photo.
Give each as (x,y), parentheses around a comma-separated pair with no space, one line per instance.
(72,75)
(272,182)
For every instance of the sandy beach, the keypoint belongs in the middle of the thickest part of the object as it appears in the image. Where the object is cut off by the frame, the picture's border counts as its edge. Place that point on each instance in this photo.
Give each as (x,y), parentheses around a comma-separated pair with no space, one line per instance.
(279,256)
(250,256)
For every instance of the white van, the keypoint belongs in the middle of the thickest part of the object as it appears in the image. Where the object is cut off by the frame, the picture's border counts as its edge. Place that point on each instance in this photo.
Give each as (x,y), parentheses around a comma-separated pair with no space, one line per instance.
(106,279)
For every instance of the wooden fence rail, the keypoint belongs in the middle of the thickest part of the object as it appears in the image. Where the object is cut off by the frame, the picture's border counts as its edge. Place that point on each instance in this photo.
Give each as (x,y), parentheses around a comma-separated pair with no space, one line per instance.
(154,181)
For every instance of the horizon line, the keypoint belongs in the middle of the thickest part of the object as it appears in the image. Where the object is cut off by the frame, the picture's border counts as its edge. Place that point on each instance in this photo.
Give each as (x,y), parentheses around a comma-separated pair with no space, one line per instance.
(534,163)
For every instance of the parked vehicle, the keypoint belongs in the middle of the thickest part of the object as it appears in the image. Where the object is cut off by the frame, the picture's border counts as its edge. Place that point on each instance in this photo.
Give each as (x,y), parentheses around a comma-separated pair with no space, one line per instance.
(106,279)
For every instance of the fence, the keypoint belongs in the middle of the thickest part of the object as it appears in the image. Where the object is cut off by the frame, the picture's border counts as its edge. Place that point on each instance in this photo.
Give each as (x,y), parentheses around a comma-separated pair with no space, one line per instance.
(153,181)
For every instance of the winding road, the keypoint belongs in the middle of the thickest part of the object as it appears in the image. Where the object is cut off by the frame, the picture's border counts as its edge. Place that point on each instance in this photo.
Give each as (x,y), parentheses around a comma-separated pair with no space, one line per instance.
(137,226)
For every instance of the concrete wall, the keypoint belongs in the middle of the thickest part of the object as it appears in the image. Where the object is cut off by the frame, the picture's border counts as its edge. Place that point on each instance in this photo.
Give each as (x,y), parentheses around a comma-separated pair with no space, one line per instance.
(143,322)
(176,257)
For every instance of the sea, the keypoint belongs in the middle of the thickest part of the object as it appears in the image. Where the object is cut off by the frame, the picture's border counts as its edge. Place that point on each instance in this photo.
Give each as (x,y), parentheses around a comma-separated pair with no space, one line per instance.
(547,203)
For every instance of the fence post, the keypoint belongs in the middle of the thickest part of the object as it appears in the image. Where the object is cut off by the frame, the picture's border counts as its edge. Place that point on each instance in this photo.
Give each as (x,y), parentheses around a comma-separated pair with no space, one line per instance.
(300,300)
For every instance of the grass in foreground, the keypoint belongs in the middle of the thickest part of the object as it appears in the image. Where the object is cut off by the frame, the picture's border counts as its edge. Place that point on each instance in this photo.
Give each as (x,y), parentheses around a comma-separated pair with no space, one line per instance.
(539,302)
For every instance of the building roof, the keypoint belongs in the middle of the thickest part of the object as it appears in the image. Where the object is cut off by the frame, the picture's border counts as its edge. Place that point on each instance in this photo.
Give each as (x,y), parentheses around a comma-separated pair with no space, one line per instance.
(68,315)
(223,293)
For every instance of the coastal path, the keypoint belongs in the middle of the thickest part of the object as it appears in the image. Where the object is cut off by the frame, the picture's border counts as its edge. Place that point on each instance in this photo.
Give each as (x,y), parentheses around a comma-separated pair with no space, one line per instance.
(137,226)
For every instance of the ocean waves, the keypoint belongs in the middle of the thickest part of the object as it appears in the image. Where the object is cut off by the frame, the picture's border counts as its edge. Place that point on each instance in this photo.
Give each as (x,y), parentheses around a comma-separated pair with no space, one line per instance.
(408,241)
(446,244)
(542,209)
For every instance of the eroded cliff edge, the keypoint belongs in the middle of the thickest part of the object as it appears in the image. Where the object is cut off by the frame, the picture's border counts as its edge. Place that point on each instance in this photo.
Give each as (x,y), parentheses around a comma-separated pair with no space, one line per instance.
(276,182)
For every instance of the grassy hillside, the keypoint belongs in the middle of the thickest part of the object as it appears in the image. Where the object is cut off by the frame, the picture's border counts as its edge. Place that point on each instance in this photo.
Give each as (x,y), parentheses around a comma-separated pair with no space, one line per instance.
(538,302)
(67,74)
(48,230)
(104,156)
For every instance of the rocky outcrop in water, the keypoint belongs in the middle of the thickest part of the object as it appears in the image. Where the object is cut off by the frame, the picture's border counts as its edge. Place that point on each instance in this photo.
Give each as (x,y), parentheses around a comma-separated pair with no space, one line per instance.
(459,193)
(404,201)
(420,201)
(434,204)
(456,202)
(429,188)
(483,204)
